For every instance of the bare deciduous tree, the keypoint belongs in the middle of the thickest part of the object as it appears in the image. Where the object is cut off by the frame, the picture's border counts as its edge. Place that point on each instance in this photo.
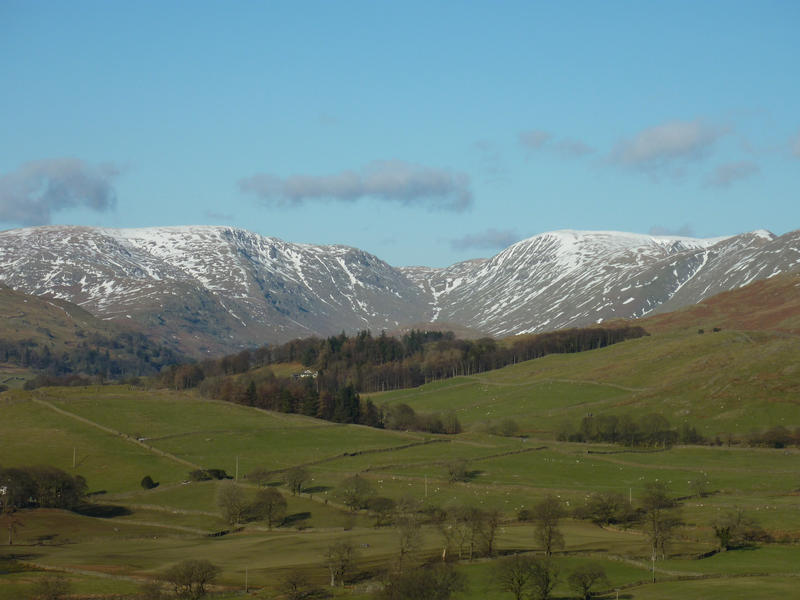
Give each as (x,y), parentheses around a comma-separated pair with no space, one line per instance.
(439,582)
(409,538)
(514,575)
(295,478)
(661,518)
(190,577)
(340,558)
(231,501)
(356,491)
(269,505)
(544,578)
(546,514)
(585,577)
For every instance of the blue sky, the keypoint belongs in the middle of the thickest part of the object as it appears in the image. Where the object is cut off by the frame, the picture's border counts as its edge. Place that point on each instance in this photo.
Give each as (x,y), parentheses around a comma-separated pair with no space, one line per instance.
(423,132)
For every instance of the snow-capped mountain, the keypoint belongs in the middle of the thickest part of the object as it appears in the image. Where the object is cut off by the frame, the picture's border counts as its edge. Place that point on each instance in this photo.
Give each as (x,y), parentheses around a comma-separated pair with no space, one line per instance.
(575,278)
(212,289)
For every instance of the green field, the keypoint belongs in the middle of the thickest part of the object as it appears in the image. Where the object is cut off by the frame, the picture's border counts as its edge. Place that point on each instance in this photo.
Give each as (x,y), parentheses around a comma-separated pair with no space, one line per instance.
(727,382)
(117,435)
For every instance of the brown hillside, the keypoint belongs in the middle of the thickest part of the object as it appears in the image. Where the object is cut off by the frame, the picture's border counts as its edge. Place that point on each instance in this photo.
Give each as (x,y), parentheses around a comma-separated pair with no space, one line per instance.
(767,305)
(47,321)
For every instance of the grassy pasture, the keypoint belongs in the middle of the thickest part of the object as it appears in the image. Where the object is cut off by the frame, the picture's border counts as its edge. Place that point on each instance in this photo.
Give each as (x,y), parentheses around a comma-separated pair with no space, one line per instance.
(704,379)
(213,434)
(733,588)
(33,434)
(724,382)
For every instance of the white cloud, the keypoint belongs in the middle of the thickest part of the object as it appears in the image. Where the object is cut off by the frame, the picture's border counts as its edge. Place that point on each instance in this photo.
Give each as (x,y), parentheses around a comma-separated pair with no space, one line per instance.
(667,147)
(29,195)
(724,175)
(391,181)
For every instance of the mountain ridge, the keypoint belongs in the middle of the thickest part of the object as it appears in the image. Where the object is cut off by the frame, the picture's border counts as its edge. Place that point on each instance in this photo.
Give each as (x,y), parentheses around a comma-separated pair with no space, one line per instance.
(210,289)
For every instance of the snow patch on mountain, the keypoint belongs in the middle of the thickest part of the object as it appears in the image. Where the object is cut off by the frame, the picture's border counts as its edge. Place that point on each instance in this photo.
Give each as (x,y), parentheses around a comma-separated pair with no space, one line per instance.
(226,287)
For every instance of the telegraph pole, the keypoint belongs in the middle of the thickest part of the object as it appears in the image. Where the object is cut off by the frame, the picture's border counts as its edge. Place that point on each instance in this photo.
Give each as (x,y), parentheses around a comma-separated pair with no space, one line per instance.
(654,565)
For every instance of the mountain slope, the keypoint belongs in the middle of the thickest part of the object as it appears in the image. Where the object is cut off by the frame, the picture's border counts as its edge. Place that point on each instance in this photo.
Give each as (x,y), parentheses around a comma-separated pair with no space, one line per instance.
(767,305)
(574,278)
(209,289)
(57,337)
(216,289)
(744,376)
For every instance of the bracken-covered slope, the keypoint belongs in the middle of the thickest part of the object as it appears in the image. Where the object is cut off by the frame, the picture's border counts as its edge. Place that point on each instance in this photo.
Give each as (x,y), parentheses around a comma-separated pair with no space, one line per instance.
(57,337)
(766,305)
(215,289)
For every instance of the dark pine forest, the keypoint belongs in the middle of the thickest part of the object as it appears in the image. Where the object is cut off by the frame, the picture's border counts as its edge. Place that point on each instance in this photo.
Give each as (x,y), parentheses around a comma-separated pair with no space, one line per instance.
(340,368)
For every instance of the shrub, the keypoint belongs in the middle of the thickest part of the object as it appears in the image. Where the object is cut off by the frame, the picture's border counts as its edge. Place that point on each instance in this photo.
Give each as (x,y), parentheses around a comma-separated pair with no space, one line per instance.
(190,577)
(51,586)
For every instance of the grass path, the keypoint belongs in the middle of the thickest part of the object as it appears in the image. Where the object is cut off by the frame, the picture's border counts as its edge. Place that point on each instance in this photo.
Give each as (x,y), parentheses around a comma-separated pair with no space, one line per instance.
(616,386)
(114,432)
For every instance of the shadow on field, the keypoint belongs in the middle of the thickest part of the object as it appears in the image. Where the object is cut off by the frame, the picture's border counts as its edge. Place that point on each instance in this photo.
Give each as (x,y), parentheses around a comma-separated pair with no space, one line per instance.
(102,511)
(294,519)
(46,540)
(317,489)
(8,562)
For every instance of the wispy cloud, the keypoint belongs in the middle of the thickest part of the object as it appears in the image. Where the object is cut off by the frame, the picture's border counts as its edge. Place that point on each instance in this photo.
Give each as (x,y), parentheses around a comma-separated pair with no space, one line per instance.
(667,148)
(492,239)
(390,181)
(219,216)
(573,148)
(536,140)
(684,231)
(796,145)
(724,175)
(29,195)
(491,160)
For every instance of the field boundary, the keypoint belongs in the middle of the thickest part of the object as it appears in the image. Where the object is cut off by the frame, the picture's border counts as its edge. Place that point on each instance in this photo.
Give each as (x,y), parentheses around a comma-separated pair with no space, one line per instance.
(116,433)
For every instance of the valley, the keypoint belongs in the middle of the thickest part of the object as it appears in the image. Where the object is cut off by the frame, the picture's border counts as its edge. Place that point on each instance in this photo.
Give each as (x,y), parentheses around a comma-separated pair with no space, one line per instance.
(119,434)
(703,400)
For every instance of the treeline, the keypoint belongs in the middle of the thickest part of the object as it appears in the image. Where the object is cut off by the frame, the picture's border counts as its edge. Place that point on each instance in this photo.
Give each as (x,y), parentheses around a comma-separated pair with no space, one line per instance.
(378,363)
(40,486)
(655,431)
(342,367)
(650,430)
(775,437)
(126,354)
(318,397)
